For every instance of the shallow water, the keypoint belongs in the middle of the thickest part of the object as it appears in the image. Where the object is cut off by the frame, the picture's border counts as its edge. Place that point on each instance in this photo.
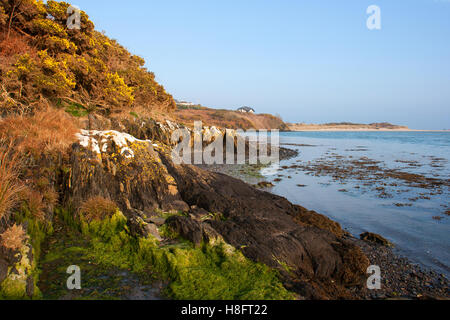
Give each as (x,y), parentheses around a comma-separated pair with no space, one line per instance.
(414,228)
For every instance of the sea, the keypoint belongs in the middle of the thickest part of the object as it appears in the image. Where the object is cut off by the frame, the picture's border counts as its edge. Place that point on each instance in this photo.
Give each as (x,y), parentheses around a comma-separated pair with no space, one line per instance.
(412,216)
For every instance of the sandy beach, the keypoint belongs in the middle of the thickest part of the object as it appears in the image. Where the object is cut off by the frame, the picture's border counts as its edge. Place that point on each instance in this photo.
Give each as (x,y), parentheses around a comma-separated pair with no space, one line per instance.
(301,127)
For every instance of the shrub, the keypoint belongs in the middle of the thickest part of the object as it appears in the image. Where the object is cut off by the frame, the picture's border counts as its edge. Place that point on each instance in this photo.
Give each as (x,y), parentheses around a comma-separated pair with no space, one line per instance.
(6,102)
(55,77)
(24,67)
(47,26)
(117,92)
(10,186)
(97,209)
(50,197)
(56,44)
(15,44)
(82,65)
(13,237)
(34,202)
(3,17)
(48,130)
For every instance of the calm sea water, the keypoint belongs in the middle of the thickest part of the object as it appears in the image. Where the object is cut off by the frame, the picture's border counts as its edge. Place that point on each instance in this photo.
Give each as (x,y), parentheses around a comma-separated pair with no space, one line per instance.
(412,228)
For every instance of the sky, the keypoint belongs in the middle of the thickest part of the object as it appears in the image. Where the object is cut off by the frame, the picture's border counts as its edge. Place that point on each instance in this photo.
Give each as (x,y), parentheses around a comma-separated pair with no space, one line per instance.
(312,61)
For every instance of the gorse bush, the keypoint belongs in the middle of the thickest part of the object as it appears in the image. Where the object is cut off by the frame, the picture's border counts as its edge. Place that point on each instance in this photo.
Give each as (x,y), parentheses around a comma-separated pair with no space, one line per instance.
(3,17)
(48,61)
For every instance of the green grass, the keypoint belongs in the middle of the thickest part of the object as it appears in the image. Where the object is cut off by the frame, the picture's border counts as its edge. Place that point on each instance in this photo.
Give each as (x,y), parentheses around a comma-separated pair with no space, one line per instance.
(134,114)
(76,110)
(37,230)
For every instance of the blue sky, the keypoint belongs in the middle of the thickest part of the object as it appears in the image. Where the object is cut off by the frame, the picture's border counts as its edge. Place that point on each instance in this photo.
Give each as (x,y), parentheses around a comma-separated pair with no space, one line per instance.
(309,61)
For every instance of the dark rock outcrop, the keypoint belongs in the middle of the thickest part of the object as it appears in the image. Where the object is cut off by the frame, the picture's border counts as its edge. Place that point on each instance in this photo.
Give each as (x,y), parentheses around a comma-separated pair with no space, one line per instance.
(270,229)
(375,238)
(129,171)
(307,248)
(192,230)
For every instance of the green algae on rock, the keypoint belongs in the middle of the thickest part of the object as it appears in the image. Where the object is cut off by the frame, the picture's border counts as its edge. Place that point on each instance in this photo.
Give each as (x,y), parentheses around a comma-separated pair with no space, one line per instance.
(213,270)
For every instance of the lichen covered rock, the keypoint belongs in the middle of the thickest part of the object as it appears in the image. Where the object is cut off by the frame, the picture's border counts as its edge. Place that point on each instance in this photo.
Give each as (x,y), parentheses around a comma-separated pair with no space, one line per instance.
(17,274)
(127,170)
(375,238)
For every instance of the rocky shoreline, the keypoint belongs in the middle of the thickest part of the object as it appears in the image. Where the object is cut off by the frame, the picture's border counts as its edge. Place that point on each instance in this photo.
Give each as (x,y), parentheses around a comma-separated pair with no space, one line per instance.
(401,279)
(126,211)
(213,211)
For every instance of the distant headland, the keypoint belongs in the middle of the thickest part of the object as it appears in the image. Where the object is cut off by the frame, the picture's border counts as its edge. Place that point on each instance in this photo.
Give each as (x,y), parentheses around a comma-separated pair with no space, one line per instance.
(346,126)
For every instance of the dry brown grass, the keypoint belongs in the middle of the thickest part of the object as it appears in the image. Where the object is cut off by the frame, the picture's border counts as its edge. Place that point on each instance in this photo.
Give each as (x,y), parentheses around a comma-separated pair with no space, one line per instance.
(48,130)
(10,185)
(97,208)
(50,197)
(228,119)
(13,238)
(15,45)
(34,201)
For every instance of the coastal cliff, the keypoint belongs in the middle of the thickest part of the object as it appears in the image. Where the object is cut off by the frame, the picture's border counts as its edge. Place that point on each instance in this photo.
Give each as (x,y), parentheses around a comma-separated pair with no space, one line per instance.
(86,179)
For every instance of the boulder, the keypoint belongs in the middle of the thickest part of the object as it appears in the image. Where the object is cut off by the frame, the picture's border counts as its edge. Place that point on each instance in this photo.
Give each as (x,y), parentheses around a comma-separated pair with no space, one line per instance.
(152,229)
(192,230)
(158,221)
(197,213)
(375,238)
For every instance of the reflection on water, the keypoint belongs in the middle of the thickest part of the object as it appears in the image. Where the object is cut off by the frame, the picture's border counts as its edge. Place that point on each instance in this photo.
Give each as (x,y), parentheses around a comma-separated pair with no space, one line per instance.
(411,215)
